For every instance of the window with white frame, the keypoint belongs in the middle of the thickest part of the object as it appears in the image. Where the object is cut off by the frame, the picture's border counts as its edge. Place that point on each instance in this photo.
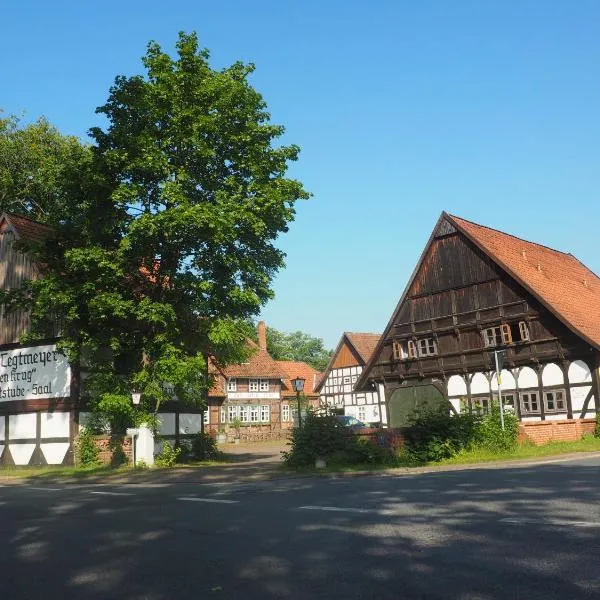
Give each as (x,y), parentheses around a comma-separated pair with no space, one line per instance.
(223,415)
(480,405)
(232,385)
(244,414)
(346,380)
(254,413)
(362,413)
(427,347)
(555,401)
(265,413)
(232,412)
(524,331)
(206,416)
(530,403)
(285,412)
(253,385)
(497,336)
(354,378)
(263,385)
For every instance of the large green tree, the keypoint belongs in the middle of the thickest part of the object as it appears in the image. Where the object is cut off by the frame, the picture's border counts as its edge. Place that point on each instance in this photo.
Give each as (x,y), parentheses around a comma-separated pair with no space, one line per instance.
(298,345)
(193,193)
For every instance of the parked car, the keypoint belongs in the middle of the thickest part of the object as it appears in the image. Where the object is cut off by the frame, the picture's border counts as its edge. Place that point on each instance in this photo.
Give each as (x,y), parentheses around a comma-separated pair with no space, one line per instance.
(351,422)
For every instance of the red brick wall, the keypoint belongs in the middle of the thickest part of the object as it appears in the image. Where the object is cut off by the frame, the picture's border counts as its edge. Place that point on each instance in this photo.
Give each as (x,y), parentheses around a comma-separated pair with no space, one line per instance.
(110,448)
(568,430)
(389,438)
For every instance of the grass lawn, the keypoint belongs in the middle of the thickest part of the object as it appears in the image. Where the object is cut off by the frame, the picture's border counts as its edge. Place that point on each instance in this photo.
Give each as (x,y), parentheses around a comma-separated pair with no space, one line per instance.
(479,455)
(524,451)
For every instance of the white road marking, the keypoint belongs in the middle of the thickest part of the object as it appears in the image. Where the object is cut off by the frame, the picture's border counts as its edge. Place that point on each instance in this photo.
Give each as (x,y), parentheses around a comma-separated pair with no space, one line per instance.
(556,522)
(337,509)
(45,489)
(212,500)
(112,493)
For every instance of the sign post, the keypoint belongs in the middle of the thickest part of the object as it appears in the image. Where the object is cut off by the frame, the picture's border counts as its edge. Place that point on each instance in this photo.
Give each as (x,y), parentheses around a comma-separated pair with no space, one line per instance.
(499,356)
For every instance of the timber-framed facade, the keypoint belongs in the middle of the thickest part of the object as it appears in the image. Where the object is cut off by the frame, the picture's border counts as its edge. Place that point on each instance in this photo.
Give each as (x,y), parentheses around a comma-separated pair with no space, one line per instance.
(476,291)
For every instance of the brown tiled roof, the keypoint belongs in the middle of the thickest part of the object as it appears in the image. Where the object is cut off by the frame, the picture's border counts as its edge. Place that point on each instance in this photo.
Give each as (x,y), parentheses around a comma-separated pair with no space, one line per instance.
(364,343)
(295,369)
(28,230)
(259,364)
(559,281)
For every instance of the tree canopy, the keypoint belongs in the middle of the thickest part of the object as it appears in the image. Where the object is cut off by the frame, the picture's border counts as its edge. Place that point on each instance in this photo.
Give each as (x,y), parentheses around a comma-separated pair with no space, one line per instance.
(298,346)
(166,245)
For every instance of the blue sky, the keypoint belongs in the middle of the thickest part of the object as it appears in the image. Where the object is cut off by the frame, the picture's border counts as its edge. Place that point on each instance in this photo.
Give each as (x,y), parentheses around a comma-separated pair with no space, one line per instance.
(488,110)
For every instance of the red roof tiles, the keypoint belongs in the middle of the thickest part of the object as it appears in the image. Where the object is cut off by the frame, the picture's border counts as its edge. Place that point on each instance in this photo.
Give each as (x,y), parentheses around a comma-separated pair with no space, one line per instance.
(559,281)
(364,343)
(28,230)
(295,369)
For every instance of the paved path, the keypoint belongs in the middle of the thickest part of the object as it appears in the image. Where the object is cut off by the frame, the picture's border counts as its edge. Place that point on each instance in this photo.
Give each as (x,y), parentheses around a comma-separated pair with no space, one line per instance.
(486,534)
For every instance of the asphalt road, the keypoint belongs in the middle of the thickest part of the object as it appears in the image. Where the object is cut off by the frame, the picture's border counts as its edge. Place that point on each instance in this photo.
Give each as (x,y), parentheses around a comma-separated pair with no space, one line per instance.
(531,533)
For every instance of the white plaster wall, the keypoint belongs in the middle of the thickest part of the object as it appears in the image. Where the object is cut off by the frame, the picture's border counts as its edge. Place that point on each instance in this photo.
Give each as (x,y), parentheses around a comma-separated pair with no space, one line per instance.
(55,453)
(382,400)
(55,424)
(556,417)
(21,453)
(552,375)
(579,372)
(456,403)
(189,423)
(166,423)
(527,378)
(578,395)
(373,413)
(1,450)
(22,426)
(508,381)
(158,445)
(2,428)
(457,386)
(480,384)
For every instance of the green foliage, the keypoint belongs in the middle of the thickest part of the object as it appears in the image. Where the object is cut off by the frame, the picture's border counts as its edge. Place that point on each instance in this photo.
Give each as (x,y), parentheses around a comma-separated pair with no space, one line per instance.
(597,428)
(437,434)
(204,447)
(298,346)
(87,451)
(168,456)
(117,410)
(165,228)
(490,434)
(325,437)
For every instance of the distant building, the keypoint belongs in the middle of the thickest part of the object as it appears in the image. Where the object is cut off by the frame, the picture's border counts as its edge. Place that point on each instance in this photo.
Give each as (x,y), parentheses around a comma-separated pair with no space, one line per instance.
(336,386)
(475,291)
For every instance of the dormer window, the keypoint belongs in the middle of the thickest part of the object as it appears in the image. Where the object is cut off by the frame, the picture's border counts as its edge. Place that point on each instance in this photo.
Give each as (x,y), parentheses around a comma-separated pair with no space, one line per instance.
(497,336)
(232,385)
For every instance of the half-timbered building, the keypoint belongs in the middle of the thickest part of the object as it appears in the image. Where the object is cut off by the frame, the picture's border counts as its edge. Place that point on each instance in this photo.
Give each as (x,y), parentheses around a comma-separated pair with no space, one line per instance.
(336,387)
(38,394)
(475,291)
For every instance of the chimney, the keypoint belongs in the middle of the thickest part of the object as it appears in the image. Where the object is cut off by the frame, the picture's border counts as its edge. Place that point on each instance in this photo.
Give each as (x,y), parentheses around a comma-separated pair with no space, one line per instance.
(262,335)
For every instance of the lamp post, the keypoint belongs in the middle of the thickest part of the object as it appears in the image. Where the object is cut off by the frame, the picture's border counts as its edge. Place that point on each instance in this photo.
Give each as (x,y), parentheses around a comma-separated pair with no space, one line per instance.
(135,398)
(298,385)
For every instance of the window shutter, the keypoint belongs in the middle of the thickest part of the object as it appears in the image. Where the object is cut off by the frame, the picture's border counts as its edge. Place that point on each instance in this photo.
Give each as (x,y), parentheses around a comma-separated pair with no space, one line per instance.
(506,334)
(397,349)
(524,331)
(412,349)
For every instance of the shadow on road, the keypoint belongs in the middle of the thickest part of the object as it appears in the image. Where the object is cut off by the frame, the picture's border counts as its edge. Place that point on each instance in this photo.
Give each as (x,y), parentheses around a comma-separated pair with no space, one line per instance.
(514,533)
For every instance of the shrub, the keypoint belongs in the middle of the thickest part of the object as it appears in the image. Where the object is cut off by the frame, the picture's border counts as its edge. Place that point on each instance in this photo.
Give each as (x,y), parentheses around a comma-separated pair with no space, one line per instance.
(168,456)
(204,447)
(325,437)
(597,429)
(436,433)
(490,434)
(87,451)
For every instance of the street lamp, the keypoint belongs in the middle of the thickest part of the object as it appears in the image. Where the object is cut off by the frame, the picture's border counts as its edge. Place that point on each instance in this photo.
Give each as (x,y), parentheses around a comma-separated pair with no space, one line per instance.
(298,385)
(135,398)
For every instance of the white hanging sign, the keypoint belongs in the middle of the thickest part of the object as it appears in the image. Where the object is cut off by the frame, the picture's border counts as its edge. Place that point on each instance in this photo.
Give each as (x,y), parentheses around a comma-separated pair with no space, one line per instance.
(34,372)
